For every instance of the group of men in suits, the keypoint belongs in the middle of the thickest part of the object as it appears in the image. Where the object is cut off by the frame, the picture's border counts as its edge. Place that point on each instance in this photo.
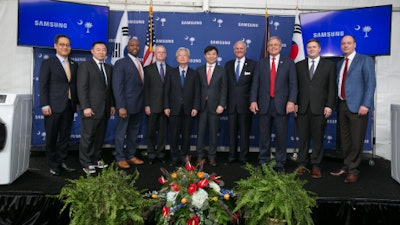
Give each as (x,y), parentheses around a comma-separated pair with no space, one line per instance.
(271,88)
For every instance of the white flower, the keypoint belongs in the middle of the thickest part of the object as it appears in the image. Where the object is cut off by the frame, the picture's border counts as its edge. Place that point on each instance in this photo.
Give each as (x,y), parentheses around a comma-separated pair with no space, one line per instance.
(215,186)
(199,197)
(171,196)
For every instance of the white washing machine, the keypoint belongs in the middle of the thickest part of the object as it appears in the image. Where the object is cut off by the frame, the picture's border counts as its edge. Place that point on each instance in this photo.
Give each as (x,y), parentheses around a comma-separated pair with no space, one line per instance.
(15,135)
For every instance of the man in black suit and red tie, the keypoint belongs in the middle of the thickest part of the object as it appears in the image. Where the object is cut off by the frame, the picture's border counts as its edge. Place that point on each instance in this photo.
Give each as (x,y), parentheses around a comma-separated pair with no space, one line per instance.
(153,105)
(58,99)
(273,96)
(182,104)
(97,104)
(316,100)
(213,91)
(240,73)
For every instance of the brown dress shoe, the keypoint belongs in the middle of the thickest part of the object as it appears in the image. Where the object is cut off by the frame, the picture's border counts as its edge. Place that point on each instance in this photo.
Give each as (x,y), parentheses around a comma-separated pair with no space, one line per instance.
(316,173)
(213,163)
(339,173)
(351,178)
(135,160)
(300,170)
(123,164)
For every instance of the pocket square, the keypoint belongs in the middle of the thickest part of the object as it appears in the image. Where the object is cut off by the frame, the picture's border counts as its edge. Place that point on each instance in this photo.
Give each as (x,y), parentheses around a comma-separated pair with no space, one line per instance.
(246,73)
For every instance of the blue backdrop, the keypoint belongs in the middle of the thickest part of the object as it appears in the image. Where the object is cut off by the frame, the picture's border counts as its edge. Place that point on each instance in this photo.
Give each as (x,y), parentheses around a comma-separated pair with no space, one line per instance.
(193,31)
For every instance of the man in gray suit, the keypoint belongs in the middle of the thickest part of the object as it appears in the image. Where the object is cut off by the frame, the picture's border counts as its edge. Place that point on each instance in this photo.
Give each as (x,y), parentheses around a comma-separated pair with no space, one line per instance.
(213,92)
(316,100)
(97,104)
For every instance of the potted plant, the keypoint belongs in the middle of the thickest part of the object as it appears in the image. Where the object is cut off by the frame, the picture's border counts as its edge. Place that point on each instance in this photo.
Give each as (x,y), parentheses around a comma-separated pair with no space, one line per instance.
(110,198)
(279,198)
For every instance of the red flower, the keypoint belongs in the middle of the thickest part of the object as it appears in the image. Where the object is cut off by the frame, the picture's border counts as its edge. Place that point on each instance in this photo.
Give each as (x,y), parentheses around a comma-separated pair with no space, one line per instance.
(162,180)
(189,167)
(165,211)
(215,179)
(192,188)
(194,220)
(175,187)
(202,183)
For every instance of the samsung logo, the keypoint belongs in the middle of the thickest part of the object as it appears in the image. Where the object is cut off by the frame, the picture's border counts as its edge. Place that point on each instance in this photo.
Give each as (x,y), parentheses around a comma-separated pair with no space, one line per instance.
(165,41)
(43,23)
(136,21)
(328,34)
(195,60)
(220,42)
(240,24)
(190,22)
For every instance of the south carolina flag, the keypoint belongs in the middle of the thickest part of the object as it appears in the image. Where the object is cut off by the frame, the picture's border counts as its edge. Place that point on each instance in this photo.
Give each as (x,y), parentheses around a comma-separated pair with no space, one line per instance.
(121,38)
(297,49)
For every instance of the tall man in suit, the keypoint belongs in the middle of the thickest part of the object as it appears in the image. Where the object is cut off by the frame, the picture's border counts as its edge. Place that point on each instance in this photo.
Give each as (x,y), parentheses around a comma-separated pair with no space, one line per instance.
(273,95)
(153,102)
(316,100)
(181,103)
(213,92)
(356,88)
(128,83)
(58,99)
(97,104)
(240,73)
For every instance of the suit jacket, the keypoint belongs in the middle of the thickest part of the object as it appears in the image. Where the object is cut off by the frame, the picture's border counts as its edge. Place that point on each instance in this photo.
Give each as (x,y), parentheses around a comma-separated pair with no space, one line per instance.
(285,85)
(360,82)
(54,85)
(320,92)
(93,92)
(127,86)
(239,92)
(153,88)
(215,93)
(175,96)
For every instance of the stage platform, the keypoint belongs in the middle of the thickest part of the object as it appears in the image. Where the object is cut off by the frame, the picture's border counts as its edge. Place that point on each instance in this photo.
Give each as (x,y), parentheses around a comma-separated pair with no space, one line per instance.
(374,199)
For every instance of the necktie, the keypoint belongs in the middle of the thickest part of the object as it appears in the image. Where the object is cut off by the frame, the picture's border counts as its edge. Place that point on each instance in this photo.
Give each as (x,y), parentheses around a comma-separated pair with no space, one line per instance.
(68,73)
(272,78)
(139,68)
(342,92)
(162,71)
(103,73)
(237,71)
(183,78)
(312,69)
(209,73)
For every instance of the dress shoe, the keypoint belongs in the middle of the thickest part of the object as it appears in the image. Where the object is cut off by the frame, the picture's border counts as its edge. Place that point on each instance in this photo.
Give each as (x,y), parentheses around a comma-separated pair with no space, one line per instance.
(316,173)
(123,164)
(339,173)
(135,161)
(54,172)
(279,169)
(300,170)
(351,178)
(200,162)
(66,168)
(213,163)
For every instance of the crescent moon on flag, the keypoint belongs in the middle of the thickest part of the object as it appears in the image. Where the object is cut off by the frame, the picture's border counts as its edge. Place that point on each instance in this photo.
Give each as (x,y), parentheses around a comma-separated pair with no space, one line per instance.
(80,22)
(186,37)
(271,22)
(157,18)
(214,19)
(357,27)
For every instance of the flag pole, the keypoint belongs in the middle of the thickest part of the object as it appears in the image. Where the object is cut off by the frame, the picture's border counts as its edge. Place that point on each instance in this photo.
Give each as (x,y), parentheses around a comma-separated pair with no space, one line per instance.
(266,35)
(295,150)
(151,26)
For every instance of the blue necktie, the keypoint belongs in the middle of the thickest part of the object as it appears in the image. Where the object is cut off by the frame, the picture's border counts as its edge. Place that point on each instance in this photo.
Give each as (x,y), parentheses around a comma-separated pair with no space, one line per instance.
(162,71)
(183,78)
(237,71)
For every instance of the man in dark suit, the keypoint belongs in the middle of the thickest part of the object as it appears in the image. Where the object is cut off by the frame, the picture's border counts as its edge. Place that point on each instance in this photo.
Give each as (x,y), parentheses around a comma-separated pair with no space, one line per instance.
(213,92)
(316,100)
(240,73)
(356,88)
(153,102)
(97,104)
(58,99)
(181,103)
(127,83)
(273,95)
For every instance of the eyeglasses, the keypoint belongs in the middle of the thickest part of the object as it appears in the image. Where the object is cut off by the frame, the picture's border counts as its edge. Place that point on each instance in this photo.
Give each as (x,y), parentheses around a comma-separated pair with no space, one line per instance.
(64,45)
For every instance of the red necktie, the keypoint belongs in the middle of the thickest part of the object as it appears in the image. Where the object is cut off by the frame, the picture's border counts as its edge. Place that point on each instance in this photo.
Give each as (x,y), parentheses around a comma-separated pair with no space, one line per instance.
(209,72)
(342,92)
(272,73)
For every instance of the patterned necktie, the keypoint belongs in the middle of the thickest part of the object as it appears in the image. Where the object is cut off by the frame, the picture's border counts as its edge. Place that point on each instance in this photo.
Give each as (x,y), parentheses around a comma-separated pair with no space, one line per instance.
(342,92)
(312,69)
(139,68)
(209,73)
(68,73)
(162,71)
(102,72)
(272,78)
(183,78)
(237,71)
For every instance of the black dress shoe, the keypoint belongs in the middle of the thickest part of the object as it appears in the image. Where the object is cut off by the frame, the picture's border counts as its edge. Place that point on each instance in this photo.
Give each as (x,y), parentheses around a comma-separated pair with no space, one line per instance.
(66,168)
(54,172)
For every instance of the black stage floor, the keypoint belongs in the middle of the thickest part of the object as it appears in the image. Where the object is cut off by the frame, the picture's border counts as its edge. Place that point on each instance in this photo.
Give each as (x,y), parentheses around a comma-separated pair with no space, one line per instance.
(374,199)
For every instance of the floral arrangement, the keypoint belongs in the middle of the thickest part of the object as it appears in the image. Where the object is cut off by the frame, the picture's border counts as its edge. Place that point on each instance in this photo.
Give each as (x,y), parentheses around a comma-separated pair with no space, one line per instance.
(190,196)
